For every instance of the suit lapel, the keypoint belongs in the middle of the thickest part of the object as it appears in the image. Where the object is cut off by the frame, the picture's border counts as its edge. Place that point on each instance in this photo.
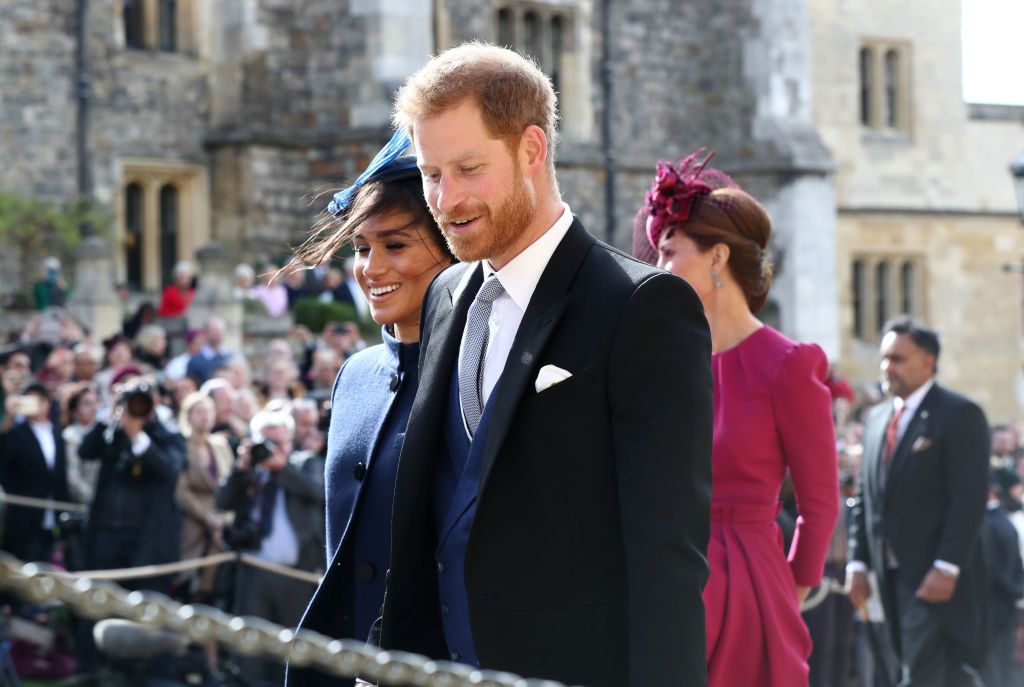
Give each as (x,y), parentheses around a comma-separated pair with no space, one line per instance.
(37,450)
(439,349)
(546,308)
(442,350)
(874,448)
(917,428)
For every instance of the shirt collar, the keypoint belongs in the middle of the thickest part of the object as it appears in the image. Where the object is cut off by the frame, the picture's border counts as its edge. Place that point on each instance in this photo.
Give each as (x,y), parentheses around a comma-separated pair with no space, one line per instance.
(911,403)
(520,276)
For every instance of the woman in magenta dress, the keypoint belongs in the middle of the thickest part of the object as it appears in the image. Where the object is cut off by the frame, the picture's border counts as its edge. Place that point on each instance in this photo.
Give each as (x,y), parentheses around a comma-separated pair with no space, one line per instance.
(772,415)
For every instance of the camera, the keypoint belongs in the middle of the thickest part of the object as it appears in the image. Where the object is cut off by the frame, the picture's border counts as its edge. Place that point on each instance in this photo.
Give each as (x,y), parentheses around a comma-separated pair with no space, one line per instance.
(243,535)
(26,405)
(138,400)
(261,451)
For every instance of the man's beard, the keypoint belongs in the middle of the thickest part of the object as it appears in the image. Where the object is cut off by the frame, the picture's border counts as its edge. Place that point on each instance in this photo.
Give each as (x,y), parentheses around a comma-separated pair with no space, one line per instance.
(505,225)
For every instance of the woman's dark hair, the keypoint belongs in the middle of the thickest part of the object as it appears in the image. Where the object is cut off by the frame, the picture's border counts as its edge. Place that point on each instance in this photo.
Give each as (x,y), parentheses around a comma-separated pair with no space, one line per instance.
(734,217)
(331,233)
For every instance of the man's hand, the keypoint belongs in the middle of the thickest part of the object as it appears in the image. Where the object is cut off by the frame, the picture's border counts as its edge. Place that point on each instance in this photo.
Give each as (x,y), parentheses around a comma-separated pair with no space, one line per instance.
(277,460)
(243,459)
(858,589)
(132,425)
(937,587)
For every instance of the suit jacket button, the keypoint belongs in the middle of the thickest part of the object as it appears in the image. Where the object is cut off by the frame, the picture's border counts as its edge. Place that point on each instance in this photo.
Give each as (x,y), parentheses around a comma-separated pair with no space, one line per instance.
(456,655)
(395,380)
(366,572)
(444,610)
(360,471)
(441,567)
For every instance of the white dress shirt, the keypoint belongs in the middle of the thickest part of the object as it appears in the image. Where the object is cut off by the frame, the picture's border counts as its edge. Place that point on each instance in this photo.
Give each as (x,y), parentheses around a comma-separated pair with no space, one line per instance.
(43,432)
(281,545)
(519,279)
(910,405)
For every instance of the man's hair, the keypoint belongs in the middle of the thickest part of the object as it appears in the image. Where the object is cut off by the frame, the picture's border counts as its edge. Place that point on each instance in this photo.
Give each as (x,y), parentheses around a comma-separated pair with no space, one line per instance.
(211,386)
(271,418)
(510,90)
(926,339)
(299,405)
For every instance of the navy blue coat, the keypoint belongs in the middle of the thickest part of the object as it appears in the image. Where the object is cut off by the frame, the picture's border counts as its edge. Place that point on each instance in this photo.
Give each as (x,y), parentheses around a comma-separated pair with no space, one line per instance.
(370,407)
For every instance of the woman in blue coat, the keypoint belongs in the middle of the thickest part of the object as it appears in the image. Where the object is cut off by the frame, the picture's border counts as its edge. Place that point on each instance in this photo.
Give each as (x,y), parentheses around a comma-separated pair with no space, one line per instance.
(398,251)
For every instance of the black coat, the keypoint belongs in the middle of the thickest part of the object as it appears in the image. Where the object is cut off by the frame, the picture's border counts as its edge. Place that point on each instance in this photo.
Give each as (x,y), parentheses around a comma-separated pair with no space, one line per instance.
(23,472)
(1005,570)
(587,555)
(137,491)
(932,506)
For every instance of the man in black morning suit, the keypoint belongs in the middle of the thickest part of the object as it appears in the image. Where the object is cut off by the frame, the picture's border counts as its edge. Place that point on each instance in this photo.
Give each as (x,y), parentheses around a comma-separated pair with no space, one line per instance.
(551,506)
(32,463)
(924,484)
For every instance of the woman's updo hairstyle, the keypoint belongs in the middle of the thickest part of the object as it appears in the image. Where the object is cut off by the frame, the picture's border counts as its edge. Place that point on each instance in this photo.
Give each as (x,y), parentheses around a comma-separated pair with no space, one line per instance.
(710,208)
(733,217)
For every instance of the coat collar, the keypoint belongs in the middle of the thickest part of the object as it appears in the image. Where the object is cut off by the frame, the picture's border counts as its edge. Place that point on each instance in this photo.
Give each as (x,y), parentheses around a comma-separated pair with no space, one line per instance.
(918,427)
(543,314)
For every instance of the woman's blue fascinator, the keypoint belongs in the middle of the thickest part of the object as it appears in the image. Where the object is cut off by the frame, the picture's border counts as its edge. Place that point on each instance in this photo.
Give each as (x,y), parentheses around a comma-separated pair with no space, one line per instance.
(388,165)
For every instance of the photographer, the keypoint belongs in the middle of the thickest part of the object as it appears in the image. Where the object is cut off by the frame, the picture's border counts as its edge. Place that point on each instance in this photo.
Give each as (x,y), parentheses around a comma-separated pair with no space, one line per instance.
(133,520)
(278,499)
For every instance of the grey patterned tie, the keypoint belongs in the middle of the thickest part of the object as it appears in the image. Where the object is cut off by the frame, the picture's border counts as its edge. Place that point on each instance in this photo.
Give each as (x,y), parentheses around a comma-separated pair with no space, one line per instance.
(474,345)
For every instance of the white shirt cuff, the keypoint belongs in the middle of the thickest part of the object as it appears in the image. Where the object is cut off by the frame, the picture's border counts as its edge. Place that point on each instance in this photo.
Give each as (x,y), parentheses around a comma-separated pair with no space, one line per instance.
(141,443)
(856,566)
(948,568)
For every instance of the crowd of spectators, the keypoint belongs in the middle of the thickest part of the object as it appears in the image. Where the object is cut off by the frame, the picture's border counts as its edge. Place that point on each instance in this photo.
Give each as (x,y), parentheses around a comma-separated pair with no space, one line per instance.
(178,448)
(183,448)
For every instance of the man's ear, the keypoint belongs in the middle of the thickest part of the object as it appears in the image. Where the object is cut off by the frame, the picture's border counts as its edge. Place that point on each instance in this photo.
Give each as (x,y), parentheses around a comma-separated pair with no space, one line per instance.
(533,150)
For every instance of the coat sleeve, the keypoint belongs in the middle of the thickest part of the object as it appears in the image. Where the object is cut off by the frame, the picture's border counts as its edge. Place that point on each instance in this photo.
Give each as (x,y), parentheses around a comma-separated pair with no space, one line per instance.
(165,457)
(803,416)
(304,479)
(965,453)
(660,394)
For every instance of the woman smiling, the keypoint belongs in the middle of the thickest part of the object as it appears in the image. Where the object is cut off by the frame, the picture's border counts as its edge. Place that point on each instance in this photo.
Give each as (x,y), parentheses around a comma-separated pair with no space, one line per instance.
(398,251)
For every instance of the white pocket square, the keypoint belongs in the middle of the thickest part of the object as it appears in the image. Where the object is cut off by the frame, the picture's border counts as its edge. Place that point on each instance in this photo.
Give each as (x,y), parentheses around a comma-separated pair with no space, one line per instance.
(550,375)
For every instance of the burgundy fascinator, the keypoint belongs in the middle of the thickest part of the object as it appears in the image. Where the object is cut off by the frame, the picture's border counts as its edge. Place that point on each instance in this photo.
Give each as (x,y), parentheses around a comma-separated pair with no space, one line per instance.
(671,198)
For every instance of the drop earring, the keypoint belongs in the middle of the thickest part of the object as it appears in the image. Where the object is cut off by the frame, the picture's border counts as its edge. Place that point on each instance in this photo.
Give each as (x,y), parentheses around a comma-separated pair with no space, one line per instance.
(718,280)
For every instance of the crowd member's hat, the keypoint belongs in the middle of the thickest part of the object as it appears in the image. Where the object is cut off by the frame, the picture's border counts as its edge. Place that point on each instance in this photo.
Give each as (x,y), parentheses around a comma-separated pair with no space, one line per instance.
(123,373)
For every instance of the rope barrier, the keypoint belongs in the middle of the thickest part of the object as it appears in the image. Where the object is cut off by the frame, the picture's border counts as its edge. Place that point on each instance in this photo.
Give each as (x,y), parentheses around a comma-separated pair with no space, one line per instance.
(817,597)
(284,571)
(120,574)
(342,657)
(247,635)
(43,504)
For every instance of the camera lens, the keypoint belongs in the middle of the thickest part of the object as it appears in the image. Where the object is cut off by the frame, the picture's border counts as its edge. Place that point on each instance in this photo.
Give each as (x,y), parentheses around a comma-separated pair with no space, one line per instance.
(139,403)
(261,451)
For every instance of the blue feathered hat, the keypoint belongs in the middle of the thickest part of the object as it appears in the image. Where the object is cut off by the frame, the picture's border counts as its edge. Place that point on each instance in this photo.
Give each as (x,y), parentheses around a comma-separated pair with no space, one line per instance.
(388,165)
